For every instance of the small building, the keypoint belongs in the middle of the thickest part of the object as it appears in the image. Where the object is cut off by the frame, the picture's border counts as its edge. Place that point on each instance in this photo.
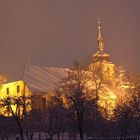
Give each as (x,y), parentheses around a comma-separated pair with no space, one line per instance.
(13,90)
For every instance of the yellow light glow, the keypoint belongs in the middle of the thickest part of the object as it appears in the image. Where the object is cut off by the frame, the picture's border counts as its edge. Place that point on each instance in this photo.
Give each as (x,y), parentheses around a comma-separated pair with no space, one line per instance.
(14,89)
(107,103)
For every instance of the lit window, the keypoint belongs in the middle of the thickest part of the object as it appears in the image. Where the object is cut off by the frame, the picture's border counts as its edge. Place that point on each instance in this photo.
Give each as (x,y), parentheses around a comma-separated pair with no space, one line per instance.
(18,89)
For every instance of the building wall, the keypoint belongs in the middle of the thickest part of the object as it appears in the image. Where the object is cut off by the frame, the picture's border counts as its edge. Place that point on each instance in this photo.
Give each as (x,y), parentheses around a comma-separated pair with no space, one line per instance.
(38,102)
(107,69)
(14,90)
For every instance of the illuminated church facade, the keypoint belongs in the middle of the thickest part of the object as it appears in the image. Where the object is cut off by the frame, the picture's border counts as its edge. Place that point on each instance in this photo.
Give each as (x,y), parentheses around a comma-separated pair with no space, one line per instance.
(43,80)
(102,58)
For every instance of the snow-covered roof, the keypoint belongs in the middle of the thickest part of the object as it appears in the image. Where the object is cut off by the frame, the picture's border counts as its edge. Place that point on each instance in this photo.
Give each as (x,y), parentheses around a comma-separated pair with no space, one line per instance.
(43,79)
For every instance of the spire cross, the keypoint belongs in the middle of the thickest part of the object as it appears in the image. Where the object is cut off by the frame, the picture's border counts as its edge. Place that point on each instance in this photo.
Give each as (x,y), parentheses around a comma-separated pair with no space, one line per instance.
(99,28)
(99,21)
(100,39)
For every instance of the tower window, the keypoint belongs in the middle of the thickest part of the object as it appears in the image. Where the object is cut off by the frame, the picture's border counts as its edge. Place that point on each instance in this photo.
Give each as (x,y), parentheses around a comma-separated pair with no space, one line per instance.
(18,88)
(7,90)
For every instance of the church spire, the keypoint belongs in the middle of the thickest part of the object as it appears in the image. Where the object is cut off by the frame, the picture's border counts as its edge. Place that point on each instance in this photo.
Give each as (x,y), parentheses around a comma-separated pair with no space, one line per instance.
(100,39)
(100,55)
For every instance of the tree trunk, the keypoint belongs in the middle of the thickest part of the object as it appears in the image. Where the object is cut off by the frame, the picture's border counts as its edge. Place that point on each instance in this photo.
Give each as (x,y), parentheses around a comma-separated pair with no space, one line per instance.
(19,123)
(51,137)
(58,136)
(20,130)
(39,136)
(81,133)
(31,136)
(80,124)
(21,133)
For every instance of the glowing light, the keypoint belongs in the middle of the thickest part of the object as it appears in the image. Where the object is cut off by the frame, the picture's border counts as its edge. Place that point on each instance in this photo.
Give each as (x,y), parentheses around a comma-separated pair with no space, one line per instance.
(14,90)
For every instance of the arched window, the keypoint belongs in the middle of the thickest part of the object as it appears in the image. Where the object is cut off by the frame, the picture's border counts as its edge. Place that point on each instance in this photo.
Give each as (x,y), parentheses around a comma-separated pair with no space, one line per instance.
(7,90)
(18,88)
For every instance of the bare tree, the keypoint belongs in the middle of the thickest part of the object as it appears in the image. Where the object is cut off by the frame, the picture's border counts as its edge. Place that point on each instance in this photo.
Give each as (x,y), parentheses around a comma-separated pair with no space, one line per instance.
(18,108)
(127,111)
(75,97)
(134,97)
(50,118)
(7,127)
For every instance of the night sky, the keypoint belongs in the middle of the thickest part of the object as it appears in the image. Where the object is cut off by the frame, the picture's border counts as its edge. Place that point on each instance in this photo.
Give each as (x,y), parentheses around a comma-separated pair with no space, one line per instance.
(57,32)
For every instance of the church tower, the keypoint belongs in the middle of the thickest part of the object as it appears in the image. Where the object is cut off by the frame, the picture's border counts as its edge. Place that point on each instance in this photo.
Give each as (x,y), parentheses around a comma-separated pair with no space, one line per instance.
(101,58)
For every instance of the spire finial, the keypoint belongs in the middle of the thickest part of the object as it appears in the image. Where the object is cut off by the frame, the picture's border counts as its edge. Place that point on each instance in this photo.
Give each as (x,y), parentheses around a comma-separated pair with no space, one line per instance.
(99,29)
(100,39)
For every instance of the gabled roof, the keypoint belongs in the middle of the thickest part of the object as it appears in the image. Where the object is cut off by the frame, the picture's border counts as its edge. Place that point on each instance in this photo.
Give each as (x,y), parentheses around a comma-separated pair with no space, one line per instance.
(43,79)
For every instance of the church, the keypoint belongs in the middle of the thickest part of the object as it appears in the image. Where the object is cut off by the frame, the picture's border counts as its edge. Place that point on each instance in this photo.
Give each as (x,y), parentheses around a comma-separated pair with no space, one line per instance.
(42,80)
(45,79)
